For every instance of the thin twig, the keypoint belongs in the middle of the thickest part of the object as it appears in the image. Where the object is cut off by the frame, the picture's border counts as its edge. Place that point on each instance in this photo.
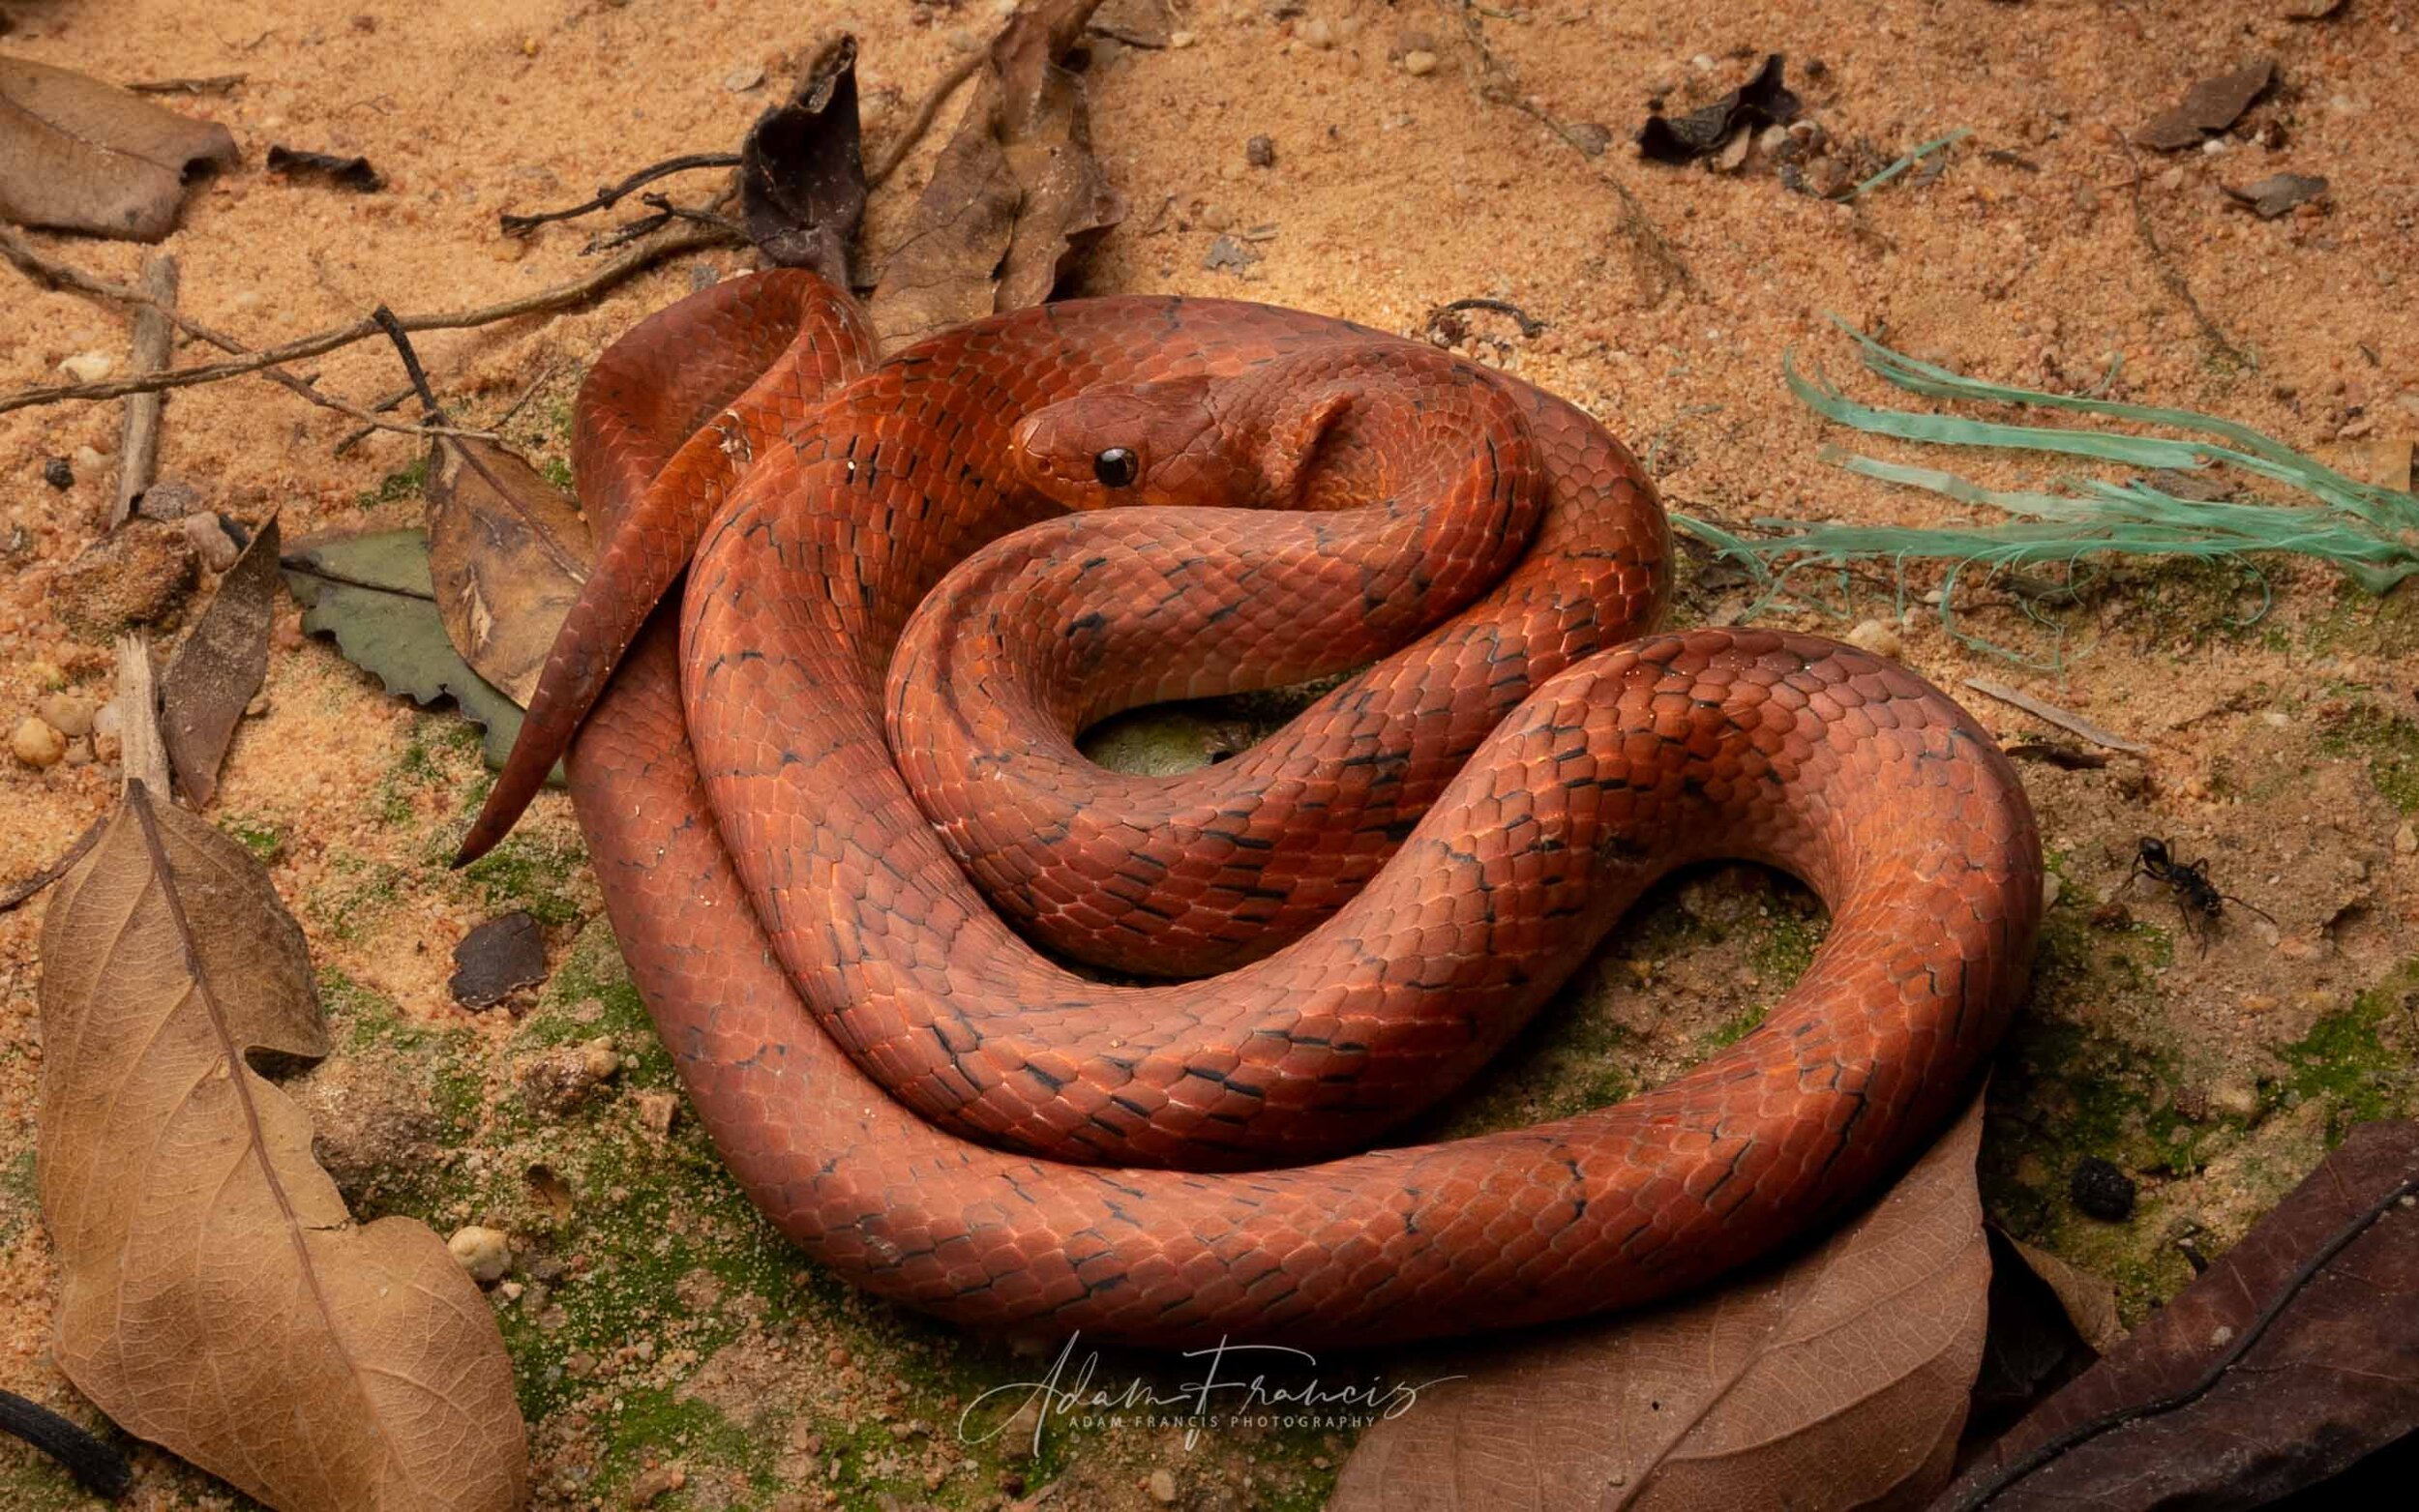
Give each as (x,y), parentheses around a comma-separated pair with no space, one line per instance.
(215,85)
(2050,714)
(921,120)
(1660,269)
(57,275)
(98,1467)
(611,195)
(139,447)
(673,242)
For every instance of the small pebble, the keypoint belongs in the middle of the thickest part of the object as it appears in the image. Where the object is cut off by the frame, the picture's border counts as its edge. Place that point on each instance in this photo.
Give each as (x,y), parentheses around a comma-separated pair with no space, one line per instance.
(1180,38)
(1163,1487)
(89,459)
(742,79)
(58,473)
(484,1253)
(170,498)
(211,542)
(37,744)
(2172,178)
(1260,152)
(1419,62)
(2407,841)
(1877,638)
(1319,34)
(2234,1100)
(2101,1191)
(70,713)
(88,367)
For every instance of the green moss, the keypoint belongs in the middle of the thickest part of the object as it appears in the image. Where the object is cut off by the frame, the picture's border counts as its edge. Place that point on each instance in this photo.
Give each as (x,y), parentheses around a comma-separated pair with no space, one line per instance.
(2388,744)
(363,890)
(532,871)
(404,483)
(35,1483)
(557,472)
(21,1197)
(265,840)
(2358,1059)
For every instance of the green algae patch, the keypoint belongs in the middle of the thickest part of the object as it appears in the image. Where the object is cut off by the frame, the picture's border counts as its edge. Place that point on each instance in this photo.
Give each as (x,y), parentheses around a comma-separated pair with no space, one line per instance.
(2390,747)
(2358,1061)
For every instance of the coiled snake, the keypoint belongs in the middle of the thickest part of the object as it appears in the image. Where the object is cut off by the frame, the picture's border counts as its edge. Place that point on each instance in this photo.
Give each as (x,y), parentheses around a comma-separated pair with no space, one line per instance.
(903,601)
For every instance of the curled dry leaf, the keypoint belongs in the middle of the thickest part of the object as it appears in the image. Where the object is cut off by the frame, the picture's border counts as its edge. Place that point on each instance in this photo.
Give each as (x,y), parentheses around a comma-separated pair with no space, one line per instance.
(1836,1380)
(217,668)
(216,1297)
(1015,194)
(802,171)
(499,959)
(2290,1359)
(83,156)
(507,553)
(372,592)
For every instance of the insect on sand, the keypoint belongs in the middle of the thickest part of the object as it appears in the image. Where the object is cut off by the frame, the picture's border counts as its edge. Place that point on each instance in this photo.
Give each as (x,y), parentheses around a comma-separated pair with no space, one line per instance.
(2196,897)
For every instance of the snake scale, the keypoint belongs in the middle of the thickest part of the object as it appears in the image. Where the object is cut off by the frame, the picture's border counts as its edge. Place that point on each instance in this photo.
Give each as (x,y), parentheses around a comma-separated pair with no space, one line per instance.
(1034,1046)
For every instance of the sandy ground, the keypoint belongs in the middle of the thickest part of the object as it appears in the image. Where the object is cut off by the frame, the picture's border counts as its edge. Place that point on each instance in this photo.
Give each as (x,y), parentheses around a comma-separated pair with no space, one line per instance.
(2282,749)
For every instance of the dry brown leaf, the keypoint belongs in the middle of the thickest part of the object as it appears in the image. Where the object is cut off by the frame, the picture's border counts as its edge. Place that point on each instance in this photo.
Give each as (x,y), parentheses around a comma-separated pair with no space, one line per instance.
(83,156)
(219,668)
(2088,1301)
(2291,1358)
(802,171)
(1015,194)
(1837,1380)
(2384,460)
(507,553)
(216,1297)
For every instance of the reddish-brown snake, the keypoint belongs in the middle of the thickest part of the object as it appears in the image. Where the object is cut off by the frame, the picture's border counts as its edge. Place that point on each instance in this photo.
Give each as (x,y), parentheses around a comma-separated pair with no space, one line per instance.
(1382,892)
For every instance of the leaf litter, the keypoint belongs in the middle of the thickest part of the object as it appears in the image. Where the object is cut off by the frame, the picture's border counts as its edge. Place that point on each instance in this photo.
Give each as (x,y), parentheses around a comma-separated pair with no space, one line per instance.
(216,1296)
(374,594)
(1847,1370)
(2293,1357)
(1015,195)
(218,668)
(79,155)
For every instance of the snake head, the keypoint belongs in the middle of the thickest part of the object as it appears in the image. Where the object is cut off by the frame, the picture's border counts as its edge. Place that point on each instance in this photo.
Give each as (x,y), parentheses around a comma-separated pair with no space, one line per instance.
(1137,443)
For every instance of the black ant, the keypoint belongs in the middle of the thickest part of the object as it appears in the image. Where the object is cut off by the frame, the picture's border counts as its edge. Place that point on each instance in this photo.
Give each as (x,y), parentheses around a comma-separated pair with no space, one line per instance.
(2196,897)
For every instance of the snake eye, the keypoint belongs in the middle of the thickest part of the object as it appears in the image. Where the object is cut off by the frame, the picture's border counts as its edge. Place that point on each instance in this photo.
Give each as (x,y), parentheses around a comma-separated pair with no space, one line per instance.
(1115,467)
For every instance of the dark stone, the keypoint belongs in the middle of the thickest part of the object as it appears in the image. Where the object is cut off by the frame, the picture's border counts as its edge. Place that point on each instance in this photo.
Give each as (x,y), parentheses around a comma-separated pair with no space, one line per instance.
(2101,1191)
(58,474)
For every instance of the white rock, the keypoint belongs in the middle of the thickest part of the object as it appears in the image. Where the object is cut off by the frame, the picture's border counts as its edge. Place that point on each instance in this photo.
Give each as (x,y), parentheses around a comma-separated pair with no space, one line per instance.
(484,1253)
(88,367)
(1418,64)
(1878,637)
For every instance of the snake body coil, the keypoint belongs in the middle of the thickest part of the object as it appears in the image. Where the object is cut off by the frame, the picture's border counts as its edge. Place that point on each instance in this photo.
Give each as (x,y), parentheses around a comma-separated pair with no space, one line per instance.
(795,779)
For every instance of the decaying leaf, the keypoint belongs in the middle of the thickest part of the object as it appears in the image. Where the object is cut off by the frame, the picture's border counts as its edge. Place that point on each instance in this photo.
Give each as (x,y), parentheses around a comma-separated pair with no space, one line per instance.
(2277,193)
(499,959)
(507,553)
(1762,101)
(372,592)
(2048,1324)
(2210,105)
(2385,460)
(1836,1380)
(83,156)
(219,668)
(2293,1357)
(216,1297)
(2088,1301)
(802,171)
(1015,194)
